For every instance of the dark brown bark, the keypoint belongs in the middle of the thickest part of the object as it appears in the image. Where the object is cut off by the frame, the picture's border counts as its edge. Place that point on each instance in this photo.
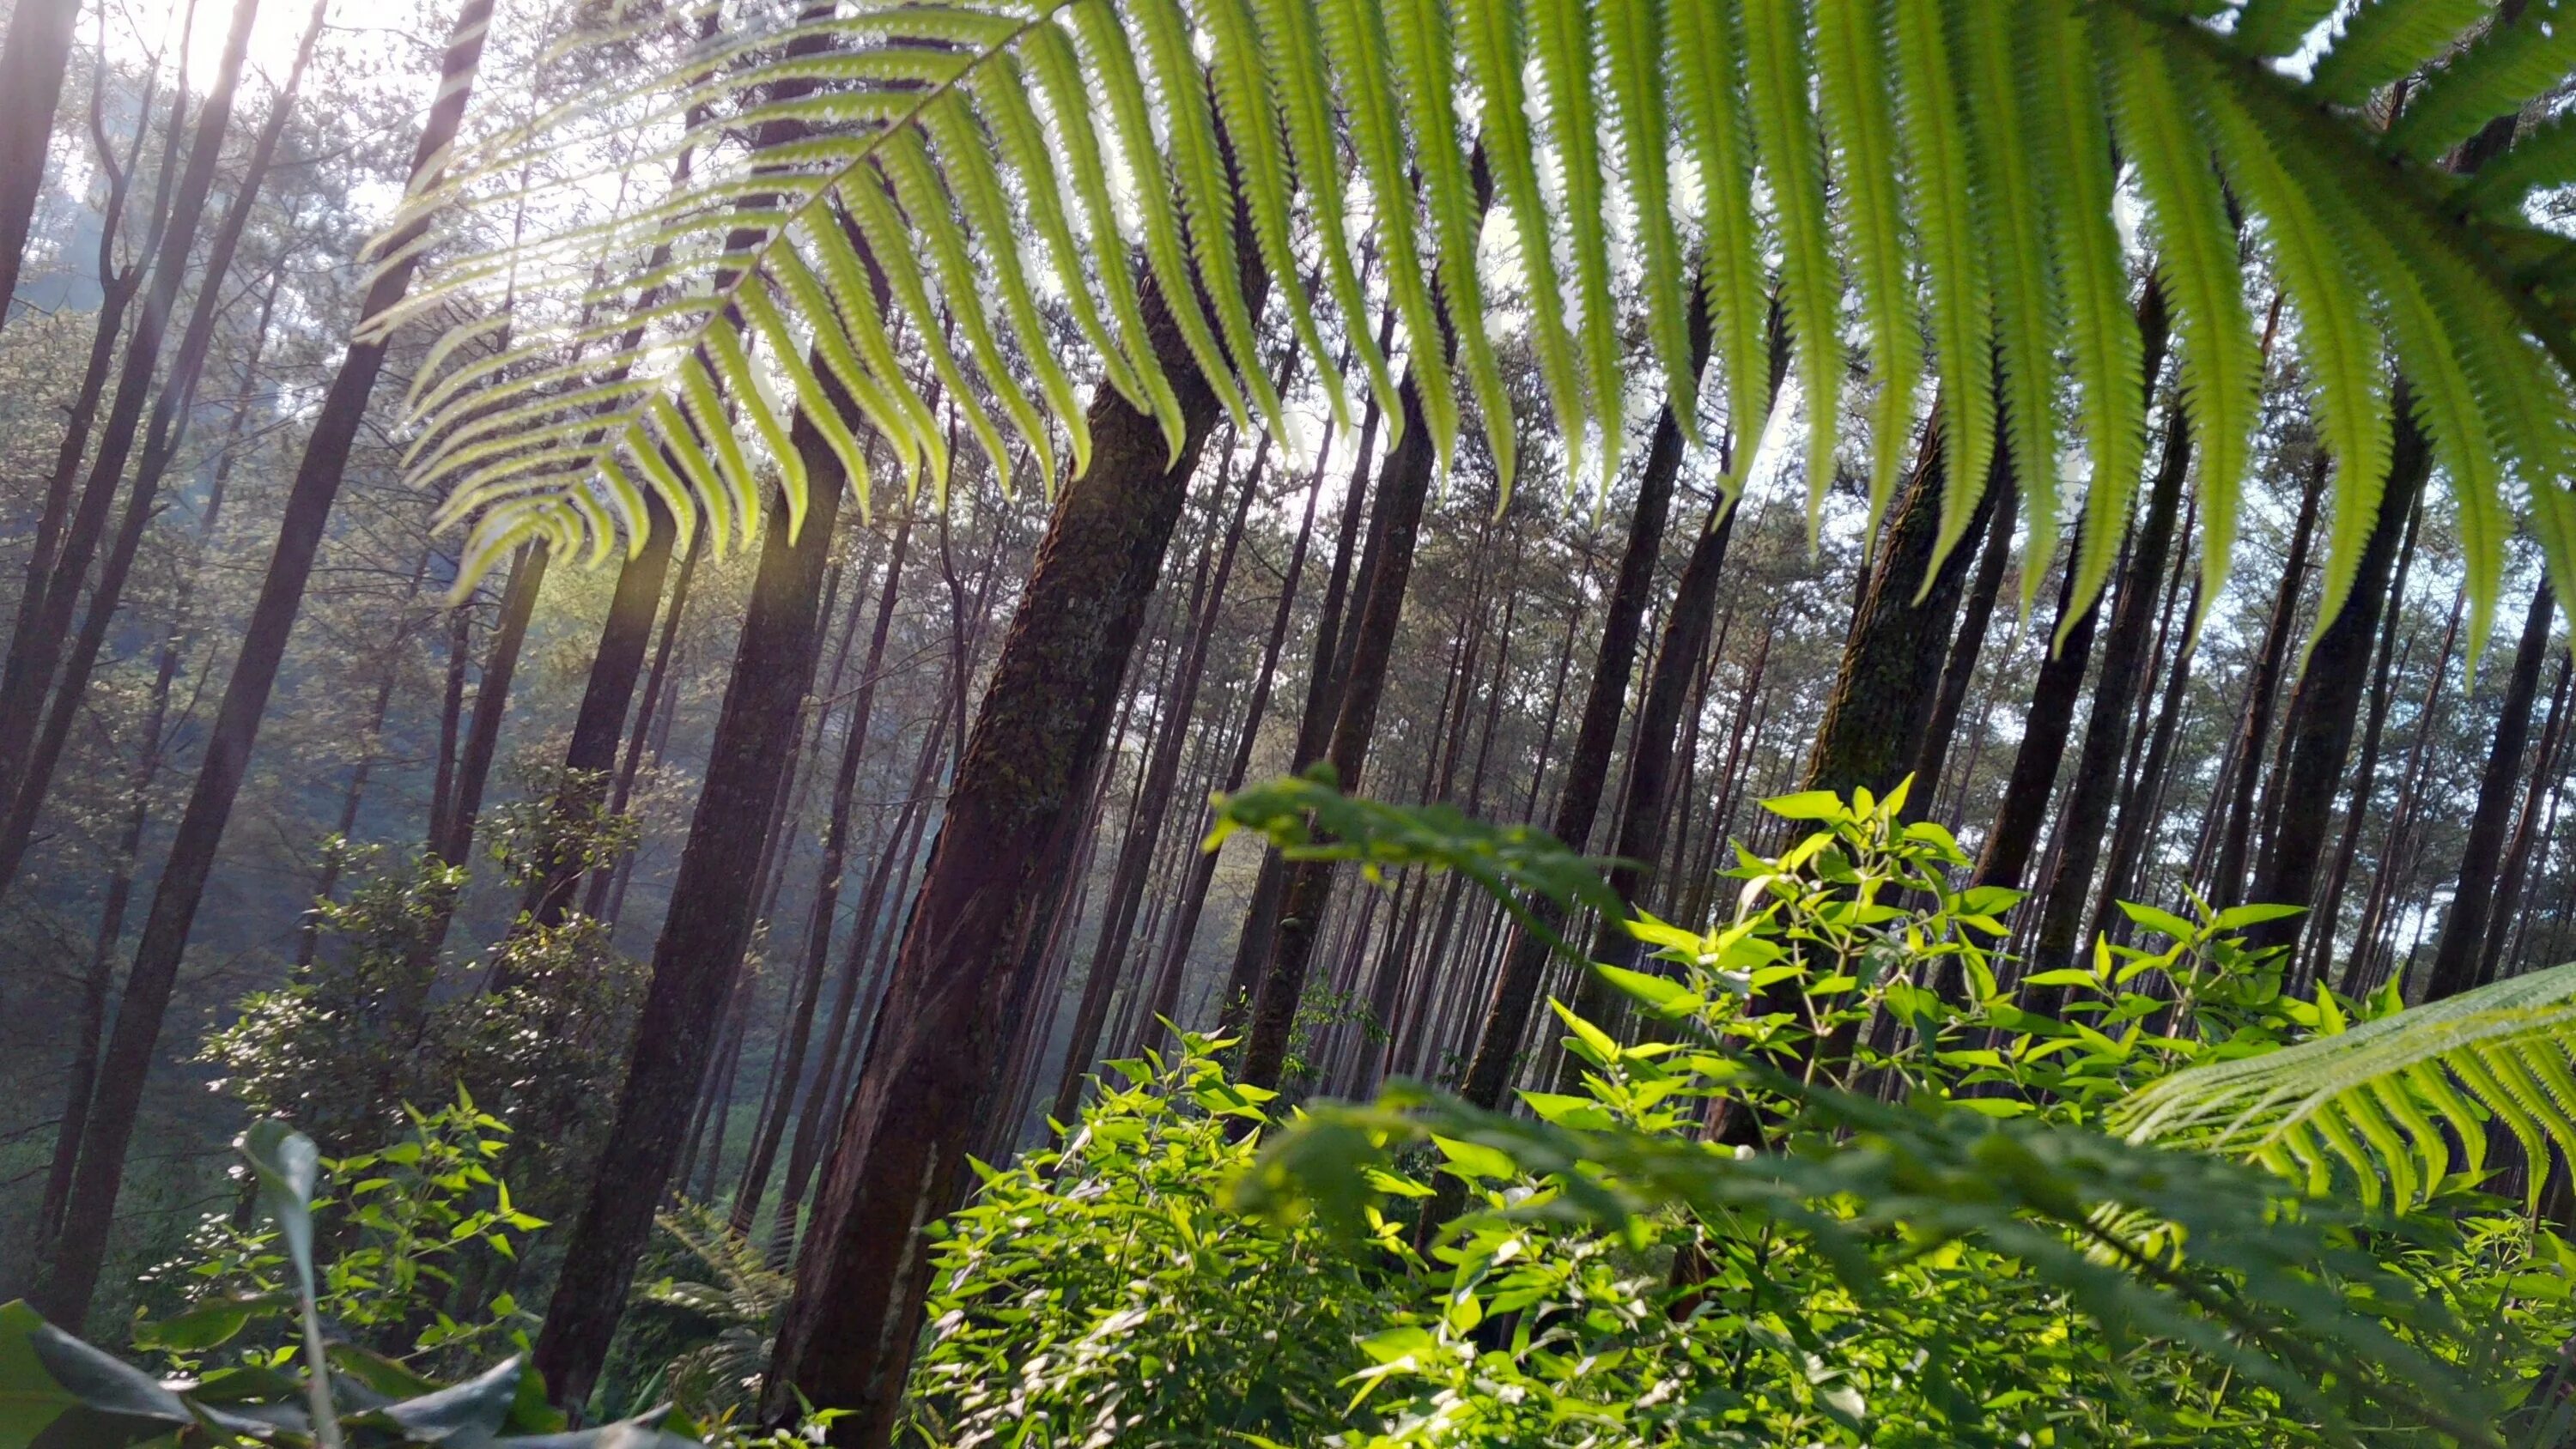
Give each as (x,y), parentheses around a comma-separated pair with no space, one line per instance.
(70,1279)
(651,709)
(590,757)
(2123,681)
(959,985)
(699,952)
(1959,666)
(2144,788)
(2324,708)
(1144,833)
(2517,856)
(1884,689)
(32,61)
(2046,725)
(2365,777)
(2457,954)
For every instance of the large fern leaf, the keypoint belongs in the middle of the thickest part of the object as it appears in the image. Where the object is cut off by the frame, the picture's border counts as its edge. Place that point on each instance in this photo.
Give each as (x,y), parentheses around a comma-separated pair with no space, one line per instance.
(902,225)
(2401,1101)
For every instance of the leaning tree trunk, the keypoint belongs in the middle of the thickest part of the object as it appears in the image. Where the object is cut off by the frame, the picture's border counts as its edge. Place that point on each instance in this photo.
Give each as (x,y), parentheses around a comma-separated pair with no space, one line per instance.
(615,666)
(2227,876)
(70,1279)
(32,60)
(36,655)
(2045,727)
(959,984)
(1959,666)
(2464,927)
(2365,777)
(699,954)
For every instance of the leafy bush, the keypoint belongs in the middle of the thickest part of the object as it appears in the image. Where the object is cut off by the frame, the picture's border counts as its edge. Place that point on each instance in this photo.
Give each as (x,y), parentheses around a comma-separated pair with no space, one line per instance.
(1102,1292)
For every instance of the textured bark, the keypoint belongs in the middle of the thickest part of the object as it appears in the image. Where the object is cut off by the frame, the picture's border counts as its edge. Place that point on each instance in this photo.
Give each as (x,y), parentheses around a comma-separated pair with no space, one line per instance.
(70,1279)
(2124,680)
(1884,689)
(650,710)
(2462,944)
(1959,666)
(958,989)
(700,950)
(2360,971)
(2324,708)
(1144,835)
(32,60)
(2014,836)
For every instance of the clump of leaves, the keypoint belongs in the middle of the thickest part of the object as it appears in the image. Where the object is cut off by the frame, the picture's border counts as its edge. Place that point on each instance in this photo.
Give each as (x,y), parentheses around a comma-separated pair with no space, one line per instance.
(1102,1292)
(303,1384)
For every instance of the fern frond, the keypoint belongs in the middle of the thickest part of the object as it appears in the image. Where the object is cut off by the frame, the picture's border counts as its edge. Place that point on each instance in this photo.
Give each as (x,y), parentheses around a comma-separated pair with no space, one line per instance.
(2376,1099)
(1851,59)
(2494,76)
(1632,33)
(2276,27)
(1561,41)
(1937,145)
(1784,131)
(1707,79)
(2385,39)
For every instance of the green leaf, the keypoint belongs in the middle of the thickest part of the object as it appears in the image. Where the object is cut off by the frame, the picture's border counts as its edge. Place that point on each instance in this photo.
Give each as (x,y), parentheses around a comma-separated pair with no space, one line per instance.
(467,1412)
(30,1397)
(1807,805)
(1792,157)
(1474,1162)
(208,1324)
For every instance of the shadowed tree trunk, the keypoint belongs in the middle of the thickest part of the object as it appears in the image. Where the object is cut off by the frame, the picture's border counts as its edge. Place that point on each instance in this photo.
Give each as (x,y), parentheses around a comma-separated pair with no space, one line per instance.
(2323,709)
(2365,776)
(2457,956)
(700,950)
(32,60)
(1959,667)
(1884,690)
(2360,969)
(650,709)
(827,891)
(2124,679)
(2517,856)
(64,1295)
(2045,727)
(959,985)
(591,755)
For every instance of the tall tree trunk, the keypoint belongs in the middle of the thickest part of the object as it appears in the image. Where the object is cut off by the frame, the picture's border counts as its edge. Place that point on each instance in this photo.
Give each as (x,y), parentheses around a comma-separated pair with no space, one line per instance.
(2323,709)
(650,710)
(2517,856)
(590,758)
(1596,736)
(700,950)
(36,654)
(2457,956)
(1145,825)
(1884,690)
(827,890)
(70,1279)
(2045,727)
(32,61)
(2124,680)
(959,986)
(2365,776)
(455,841)
(1959,666)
